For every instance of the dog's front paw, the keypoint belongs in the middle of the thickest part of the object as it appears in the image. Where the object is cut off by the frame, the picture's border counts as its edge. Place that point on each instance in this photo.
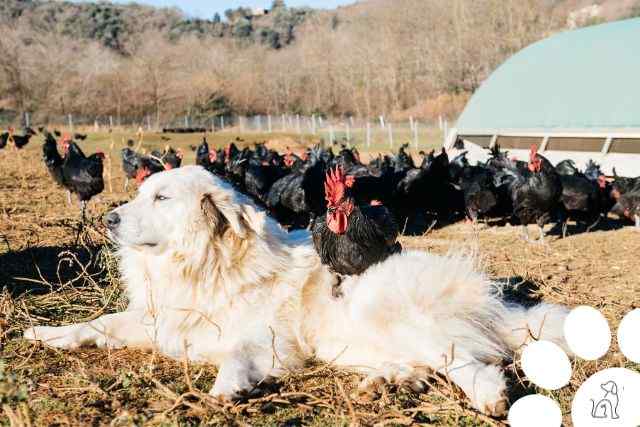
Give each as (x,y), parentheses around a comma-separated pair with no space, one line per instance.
(239,379)
(59,337)
(496,408)
(490,398)
(404,376)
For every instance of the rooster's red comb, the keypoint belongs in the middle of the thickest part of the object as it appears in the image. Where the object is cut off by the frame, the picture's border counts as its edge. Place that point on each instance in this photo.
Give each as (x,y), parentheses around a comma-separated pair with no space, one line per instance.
(335,184)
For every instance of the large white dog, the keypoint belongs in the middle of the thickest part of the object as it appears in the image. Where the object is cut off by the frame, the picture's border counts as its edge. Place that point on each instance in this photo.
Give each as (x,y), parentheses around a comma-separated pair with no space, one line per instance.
(212,278)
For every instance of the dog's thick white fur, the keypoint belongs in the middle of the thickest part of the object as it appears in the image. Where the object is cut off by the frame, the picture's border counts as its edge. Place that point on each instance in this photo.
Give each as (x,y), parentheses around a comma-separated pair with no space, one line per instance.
(211,278)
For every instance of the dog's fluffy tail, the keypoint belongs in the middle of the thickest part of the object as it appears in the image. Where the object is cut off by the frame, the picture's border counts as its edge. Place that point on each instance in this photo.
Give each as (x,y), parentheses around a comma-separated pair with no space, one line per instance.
(541,322)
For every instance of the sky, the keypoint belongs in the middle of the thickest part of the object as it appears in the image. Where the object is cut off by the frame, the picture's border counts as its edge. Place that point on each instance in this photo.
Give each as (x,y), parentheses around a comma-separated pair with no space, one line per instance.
(207,8)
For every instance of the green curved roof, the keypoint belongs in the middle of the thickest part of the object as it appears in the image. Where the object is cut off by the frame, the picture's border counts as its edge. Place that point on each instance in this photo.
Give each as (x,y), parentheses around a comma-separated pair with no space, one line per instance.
(583,79)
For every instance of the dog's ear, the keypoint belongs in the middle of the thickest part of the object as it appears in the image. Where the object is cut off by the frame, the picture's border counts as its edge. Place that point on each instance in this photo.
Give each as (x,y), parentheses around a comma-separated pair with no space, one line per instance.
(223,214)
(213,218)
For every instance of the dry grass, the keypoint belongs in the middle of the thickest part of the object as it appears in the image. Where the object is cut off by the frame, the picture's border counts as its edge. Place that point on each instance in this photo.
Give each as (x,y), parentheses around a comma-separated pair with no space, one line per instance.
(47,278)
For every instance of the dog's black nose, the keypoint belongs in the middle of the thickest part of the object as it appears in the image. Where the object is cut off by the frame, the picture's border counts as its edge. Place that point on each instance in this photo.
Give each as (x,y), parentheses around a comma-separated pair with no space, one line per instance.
(111,220)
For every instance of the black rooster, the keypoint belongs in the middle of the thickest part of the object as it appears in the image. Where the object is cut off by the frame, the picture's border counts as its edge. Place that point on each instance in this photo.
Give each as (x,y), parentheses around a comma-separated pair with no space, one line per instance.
(351,238)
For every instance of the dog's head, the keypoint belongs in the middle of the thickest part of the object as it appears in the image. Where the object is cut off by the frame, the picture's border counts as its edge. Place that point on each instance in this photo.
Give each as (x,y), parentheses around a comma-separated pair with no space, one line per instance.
(184,211)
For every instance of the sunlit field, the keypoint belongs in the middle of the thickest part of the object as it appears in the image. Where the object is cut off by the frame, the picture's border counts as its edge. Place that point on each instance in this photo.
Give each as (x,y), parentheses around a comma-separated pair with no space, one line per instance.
(53,271)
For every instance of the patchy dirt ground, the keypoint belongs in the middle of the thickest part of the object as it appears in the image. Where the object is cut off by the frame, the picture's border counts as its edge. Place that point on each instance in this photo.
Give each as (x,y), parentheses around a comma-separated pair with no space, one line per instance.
(50,273)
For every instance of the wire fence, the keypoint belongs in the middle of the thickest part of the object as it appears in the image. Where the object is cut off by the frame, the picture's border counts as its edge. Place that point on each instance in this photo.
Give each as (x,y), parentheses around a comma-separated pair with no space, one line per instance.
(380,133)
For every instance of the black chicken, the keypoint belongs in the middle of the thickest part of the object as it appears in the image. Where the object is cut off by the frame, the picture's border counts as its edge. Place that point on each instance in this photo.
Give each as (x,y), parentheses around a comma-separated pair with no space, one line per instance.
(584,195)
(298,196)
(350,238)
(130,165)
(172,158)
(54,161)
(19,141)
(628,205)
(477,185)
(535,192)
(82,175)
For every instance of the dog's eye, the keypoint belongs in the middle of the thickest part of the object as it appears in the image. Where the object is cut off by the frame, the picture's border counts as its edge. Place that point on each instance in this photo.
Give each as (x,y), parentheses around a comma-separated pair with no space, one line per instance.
(160,198)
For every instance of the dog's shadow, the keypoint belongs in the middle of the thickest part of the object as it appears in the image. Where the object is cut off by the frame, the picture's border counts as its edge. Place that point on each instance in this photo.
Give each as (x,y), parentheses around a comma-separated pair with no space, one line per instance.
(43,269)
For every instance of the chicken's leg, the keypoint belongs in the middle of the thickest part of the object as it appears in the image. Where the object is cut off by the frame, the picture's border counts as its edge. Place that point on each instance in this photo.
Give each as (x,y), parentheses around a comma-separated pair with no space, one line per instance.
(592,226)
(525,233)
(83,205)
(68,197)
(541,240)
(126,184)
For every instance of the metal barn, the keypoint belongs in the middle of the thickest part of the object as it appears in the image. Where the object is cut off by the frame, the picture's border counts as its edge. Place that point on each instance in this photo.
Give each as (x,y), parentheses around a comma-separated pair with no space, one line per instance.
(576,95)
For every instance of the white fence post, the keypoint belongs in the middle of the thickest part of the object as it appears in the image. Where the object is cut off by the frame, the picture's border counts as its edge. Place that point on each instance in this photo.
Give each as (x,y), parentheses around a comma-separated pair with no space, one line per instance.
(415,134)
(331,135)
(313,124)
(298,124)
(368,134)
(213,124)
(221,123)
(70,123)
(389,127)
(110,122)
(445,130)
(382,122)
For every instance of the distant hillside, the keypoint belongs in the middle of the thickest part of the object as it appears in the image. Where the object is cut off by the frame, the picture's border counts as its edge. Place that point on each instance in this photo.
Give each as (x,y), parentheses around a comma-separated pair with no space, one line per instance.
(392,57)
(116,25)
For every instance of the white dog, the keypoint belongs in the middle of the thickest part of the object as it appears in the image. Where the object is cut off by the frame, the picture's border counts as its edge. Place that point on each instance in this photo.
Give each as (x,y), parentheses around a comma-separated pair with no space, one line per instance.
(212,278)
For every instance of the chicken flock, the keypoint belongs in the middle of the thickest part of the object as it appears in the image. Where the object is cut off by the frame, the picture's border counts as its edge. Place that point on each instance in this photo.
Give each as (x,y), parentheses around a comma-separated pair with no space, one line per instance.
(355,211)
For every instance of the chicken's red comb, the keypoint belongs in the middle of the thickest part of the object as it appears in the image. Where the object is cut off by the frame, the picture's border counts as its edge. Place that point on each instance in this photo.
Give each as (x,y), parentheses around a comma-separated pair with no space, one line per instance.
(335,184)
(142,174)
